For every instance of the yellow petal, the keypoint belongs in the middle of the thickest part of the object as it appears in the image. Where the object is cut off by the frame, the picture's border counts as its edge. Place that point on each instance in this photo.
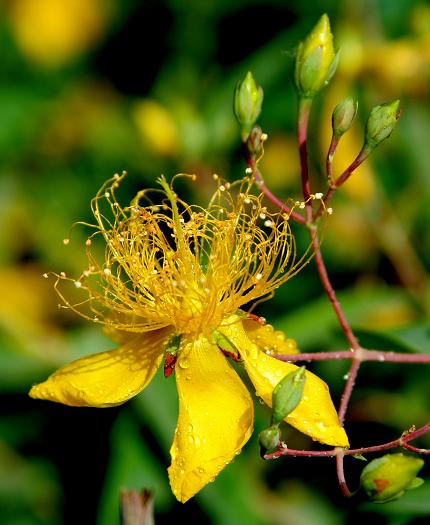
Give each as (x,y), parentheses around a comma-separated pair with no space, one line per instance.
(215,417)
(108,378)
(315,415)
(272,341)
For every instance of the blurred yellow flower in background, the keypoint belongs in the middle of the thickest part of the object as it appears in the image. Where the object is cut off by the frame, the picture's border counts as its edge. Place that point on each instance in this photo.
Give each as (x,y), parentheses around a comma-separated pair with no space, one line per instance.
(52,32)
(397,65)
(156,126)
(172,284)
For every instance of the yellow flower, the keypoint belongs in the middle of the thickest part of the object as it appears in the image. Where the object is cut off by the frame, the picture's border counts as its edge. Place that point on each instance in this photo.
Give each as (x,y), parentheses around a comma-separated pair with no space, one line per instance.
(172,284)
(52,32)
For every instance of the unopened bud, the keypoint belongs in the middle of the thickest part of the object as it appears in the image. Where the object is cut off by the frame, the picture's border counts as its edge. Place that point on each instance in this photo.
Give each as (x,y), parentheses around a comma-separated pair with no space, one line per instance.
(269,438)
(381,122)
(287,394)
(248,98)
(316,60)
(137,508)
(343,116)
(387,478)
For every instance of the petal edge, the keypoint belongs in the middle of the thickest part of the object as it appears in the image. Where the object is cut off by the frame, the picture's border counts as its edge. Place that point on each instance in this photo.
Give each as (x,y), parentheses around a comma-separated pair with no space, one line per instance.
(107,378)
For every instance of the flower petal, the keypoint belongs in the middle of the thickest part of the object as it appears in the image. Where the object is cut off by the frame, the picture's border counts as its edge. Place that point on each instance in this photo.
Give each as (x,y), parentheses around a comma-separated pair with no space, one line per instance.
(273,341)
(215,417)
(315,415)
(108,378)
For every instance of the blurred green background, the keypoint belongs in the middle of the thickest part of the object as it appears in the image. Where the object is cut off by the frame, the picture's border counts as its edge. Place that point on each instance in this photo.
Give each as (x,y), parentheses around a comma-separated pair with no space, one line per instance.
(91,87)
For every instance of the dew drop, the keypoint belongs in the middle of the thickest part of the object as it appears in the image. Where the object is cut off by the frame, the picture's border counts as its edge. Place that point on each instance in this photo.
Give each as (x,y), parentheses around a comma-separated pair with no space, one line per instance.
(183,362)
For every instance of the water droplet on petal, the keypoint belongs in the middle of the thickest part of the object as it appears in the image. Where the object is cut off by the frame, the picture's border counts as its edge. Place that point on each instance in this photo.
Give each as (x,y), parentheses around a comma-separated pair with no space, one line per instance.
(183,362)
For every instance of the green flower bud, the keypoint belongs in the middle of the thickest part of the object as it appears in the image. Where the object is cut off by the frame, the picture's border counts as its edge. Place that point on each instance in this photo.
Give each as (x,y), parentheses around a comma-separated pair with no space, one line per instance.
(248,97)
(343,116)
(269,438)
(387,478)
(287,394)
(381,122)
(316,60)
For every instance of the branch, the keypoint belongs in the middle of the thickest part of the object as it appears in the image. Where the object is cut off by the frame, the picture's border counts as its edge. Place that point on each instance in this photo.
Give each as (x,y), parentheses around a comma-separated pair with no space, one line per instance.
(361,355)
(402,441)
(252,165)
(334,184)
(329,290)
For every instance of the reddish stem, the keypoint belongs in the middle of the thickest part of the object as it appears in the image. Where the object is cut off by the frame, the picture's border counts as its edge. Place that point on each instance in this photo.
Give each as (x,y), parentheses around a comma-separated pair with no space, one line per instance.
(364,355)
(305,105)
(250,160)
(402,441)
(341,476)
(329,290)
(334,184)
(347,391)
(329,159)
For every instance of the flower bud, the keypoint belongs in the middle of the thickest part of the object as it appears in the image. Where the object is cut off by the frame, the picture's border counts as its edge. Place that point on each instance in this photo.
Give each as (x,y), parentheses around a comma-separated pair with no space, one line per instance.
(381,122)
(269,438)
(316,60)
(287,394)
(137,507)
(343,116)
(248,97)
(387,478)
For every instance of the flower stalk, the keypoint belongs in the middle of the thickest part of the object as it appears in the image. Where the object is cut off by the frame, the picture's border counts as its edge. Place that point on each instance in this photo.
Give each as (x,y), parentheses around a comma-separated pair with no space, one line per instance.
(315,64)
